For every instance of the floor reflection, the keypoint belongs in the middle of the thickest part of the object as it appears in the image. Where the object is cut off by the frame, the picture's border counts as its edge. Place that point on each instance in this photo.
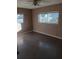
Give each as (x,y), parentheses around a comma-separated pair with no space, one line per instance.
(20,39)
(44,45)
(37,46)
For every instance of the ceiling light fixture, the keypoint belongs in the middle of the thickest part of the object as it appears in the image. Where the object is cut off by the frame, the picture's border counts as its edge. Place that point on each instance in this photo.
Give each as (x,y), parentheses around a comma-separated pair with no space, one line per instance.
(36,2)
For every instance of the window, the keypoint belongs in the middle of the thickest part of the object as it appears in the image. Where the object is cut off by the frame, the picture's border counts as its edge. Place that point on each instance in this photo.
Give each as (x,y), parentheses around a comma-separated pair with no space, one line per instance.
(19,22)
(42,18)
(48,17)
(20,18)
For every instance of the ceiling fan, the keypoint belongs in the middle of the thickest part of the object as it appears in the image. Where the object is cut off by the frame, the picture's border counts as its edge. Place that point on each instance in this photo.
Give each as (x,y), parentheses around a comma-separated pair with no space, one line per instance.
(37,2)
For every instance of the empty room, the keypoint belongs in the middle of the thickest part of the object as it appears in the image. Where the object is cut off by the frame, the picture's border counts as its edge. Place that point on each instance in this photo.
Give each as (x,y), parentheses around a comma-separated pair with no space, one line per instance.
(39,29)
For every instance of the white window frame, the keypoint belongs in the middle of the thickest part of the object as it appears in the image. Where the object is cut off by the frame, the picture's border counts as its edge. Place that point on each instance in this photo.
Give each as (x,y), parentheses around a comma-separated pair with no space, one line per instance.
(47,17)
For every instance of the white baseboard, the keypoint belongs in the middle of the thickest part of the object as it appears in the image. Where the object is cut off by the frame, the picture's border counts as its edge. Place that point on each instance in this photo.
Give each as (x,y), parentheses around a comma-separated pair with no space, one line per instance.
(47,34)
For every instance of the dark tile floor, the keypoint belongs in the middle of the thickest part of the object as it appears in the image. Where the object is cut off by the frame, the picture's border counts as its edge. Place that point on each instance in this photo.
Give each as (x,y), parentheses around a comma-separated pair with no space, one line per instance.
(38,46)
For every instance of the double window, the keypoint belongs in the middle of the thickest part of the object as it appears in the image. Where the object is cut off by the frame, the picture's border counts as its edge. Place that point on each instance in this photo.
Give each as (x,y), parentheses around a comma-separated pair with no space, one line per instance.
(51,17)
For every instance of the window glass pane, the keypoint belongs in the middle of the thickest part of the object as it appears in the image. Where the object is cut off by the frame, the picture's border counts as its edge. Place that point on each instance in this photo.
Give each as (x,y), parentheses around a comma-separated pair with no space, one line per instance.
(53,17)
(20,18)
(43,18)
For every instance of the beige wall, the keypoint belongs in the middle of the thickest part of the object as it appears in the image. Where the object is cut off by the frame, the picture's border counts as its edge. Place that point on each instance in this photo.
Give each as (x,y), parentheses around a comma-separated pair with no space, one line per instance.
(52,29)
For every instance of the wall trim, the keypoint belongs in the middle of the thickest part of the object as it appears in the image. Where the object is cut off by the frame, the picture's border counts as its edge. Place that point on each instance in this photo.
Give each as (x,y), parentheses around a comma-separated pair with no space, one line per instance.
(47,34)
(43,33)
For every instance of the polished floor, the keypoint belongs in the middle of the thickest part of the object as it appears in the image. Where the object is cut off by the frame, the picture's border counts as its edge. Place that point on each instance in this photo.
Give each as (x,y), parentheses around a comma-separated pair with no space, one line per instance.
(38,46)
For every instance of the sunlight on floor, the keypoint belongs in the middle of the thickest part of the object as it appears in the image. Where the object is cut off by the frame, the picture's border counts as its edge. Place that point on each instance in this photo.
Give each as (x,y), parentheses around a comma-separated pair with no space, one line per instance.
(18,27)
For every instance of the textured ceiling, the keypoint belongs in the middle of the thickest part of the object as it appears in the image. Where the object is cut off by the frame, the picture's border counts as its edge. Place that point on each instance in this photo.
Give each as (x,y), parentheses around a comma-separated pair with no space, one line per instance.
(29,3)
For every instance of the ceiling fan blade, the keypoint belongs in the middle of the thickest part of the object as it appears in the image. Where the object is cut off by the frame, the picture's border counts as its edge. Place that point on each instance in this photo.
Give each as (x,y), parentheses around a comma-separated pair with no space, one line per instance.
(44,1)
